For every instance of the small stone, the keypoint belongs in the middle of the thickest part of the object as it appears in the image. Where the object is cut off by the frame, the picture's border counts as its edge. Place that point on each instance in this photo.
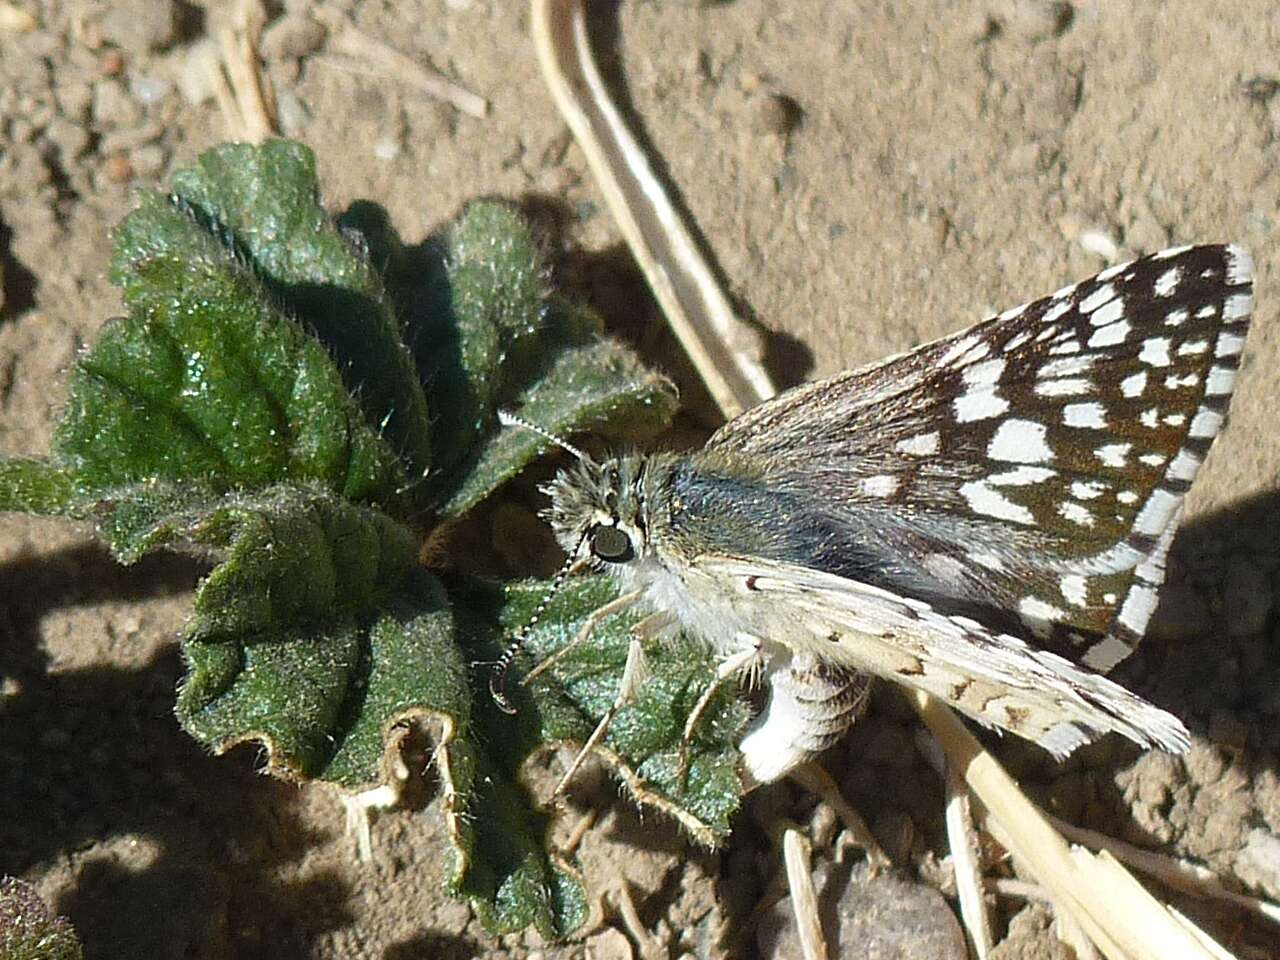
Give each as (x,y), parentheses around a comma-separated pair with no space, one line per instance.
(69,139)
(1246,596)
(112,63)
(149,89)
(149,161)
(1258,863)
(609,944)
(886,918)
(1024,158)
(1034,20)
(292,37)
(118,168)
(113,107)
(292,113)
(140,26)
(1205,763)
(74,98)
(775,114)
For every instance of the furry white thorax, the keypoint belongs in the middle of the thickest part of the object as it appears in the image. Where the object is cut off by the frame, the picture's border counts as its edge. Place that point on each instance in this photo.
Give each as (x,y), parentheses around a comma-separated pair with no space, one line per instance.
(706,616)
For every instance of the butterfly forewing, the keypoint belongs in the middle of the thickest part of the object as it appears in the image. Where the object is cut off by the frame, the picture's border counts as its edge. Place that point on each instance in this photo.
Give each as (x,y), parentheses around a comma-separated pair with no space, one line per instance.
(1032,466)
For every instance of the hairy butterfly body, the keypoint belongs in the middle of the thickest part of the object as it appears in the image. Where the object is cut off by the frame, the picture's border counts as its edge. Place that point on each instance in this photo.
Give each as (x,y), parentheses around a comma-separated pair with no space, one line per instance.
(986,517)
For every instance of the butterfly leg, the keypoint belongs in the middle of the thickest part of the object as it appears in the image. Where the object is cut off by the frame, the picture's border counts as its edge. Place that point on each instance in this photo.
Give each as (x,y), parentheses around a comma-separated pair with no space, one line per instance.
(584,632)
(634,673)
(749,658)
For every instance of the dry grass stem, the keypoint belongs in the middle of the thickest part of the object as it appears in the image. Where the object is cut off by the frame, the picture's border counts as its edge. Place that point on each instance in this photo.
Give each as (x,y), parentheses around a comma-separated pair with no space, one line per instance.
(1119,916)
(725,351)
(1173,872)
(804,899)
(968,870)
(373,58)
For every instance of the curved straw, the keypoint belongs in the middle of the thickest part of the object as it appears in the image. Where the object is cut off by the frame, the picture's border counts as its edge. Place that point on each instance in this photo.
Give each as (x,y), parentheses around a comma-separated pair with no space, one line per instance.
(725,350)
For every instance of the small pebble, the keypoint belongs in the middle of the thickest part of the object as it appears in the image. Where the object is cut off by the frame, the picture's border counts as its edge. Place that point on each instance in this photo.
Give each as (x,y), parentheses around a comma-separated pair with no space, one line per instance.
(885,918)
(1034,20)
(70,139)
(140,26)
(609,944)
(149,161)
(113,107)
(112,63)
(149,89)
(775,114)
(118,168)
(292,37)
(1258,864)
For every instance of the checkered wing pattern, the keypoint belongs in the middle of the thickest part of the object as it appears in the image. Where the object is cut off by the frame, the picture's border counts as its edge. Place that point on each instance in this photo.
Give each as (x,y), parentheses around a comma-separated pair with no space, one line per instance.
(1027,474)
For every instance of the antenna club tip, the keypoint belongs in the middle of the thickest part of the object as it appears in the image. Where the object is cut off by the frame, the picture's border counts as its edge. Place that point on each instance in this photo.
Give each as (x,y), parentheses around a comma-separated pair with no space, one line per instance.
(498,690)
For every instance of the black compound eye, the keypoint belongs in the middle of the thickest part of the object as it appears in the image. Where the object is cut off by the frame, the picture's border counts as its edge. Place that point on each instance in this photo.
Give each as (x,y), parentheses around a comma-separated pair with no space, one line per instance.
(612,544)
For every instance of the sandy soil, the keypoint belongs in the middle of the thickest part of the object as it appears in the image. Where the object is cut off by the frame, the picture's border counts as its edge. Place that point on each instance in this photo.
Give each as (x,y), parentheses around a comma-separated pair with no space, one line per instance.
(930,161)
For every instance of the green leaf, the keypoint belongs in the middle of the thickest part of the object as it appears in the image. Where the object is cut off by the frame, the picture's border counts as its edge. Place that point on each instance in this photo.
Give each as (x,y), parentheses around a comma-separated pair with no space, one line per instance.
(295,557)
(259,406)
(265,201)
(323,699)
(586,383)
(206,381)
(35,486)
(490,290)
(645,736)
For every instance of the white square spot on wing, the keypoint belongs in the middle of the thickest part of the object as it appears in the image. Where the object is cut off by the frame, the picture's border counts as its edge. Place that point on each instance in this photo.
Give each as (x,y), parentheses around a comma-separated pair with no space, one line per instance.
(1076,513)
(1206,423)
(1109,312)
(1133,385)
(1020,441)
(1093,301)
(1155,352)
(1091,416)
(1168,282)
(982,403)
(990,502)
(921,445)
(1111,335)
(1114,454)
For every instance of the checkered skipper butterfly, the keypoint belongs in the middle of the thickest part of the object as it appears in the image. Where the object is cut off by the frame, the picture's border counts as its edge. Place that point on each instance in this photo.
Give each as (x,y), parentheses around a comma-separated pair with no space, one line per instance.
(985,518)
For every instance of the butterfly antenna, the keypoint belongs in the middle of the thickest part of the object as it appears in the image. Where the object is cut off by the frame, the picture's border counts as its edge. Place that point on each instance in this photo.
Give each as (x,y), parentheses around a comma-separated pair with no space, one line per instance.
(502,667)
(508,419)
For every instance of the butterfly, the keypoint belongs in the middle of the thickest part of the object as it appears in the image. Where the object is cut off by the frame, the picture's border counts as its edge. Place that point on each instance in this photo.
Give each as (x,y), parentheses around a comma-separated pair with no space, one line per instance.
(985,518)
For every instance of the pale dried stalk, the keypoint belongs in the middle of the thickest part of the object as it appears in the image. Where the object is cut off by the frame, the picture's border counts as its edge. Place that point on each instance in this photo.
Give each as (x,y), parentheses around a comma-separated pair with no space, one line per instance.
(1119,916)
(1173,872)
(804,899)
(725,351)
(242,93)
(968,870)
(377,59)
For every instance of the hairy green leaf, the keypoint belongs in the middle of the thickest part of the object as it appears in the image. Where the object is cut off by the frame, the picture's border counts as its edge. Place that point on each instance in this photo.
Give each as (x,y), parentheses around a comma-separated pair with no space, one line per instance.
(490,289)
(35,486)
(206,381)
(265,201)
(28,928)
(323,699)
(585,382)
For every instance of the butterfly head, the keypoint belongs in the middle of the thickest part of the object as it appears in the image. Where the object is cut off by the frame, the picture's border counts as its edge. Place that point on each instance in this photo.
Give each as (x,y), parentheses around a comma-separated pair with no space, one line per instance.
(598,511)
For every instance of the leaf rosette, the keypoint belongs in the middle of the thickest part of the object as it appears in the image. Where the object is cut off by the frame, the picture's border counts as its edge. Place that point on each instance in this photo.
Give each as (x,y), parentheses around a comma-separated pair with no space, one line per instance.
(302,400)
